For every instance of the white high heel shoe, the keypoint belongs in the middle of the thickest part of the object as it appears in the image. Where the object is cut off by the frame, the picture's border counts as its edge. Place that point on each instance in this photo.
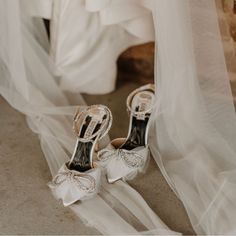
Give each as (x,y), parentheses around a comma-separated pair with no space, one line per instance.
(79,179)
(124,158)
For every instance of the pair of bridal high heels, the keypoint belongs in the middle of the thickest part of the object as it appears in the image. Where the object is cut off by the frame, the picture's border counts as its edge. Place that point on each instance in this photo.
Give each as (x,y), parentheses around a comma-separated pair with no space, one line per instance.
(123,158)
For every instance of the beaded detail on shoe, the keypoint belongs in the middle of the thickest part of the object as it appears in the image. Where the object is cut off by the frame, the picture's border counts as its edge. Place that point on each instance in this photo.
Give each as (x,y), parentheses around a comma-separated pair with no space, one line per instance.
(121,163)
(71,186)
(130,158)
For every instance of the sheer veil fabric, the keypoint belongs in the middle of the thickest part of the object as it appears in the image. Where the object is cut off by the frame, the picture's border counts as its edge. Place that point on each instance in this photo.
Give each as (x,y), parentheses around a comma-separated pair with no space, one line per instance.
(194,124)
(28,84)
(195,117)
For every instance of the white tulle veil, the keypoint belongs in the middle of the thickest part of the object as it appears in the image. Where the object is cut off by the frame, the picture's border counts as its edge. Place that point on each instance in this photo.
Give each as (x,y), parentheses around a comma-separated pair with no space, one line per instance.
(194,124)
(195,120)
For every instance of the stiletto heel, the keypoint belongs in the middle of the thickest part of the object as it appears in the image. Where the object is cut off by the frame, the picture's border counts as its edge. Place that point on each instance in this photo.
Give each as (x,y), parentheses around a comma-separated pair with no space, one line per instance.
(123,158)
(79,179)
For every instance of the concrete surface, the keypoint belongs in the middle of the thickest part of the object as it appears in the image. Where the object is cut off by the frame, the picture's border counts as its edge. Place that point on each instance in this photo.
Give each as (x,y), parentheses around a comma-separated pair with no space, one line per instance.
(26,203)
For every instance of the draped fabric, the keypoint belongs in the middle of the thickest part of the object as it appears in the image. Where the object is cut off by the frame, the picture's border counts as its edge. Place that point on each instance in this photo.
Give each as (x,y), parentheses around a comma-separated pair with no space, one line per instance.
(28,84)
(96,41)
(195,120)
(194,124)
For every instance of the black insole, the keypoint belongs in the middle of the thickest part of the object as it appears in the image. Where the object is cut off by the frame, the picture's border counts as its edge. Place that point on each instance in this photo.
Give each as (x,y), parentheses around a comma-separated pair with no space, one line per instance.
(81,161)
(137,134)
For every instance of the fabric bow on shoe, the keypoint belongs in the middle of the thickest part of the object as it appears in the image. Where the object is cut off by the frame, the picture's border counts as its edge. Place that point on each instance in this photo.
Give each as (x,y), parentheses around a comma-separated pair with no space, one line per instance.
(122,163)
(71,186)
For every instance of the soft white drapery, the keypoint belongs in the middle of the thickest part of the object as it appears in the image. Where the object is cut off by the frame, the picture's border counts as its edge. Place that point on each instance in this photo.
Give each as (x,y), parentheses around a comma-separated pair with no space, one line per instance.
(194,120)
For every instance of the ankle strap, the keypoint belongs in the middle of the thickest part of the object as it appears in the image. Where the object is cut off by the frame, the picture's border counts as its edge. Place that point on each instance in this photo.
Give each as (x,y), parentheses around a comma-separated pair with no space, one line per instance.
(139,114)
(82,113)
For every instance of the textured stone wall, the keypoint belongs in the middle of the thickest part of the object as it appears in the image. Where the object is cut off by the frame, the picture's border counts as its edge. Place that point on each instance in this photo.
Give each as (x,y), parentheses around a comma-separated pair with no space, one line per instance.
(229,8)
(228,27)
(137,63)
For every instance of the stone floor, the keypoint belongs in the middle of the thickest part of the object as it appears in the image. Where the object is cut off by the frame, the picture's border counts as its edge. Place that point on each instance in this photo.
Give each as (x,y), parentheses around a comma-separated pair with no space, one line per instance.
(26,203)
